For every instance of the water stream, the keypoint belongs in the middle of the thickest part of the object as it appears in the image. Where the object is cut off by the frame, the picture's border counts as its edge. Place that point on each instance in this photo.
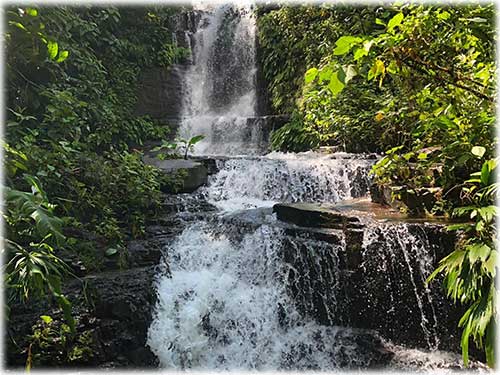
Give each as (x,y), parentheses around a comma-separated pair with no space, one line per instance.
(264,296)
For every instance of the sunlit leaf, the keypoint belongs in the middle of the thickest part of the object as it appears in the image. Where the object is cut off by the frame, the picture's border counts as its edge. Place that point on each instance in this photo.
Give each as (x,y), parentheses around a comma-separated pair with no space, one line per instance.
(478,151)
(63,55)
(311,75)
(344,44)
(31,12)
(52,49)
(395,21)
(335,84)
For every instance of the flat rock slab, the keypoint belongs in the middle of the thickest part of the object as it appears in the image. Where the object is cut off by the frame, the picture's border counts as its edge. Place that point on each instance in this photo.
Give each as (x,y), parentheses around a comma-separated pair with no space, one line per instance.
(313,215)
(196,173)
(353,213)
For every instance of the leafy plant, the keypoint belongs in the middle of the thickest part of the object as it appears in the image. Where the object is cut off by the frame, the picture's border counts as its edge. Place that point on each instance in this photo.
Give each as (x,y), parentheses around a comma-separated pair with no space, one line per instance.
(470,270)
(188,144)
(52,339)
(33,269)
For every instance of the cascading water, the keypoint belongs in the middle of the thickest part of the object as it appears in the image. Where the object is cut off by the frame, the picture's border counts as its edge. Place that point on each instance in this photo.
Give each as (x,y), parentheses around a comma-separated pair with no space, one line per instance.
(277,177)
(267,296)
(226,306)
(392,247)
(220,84)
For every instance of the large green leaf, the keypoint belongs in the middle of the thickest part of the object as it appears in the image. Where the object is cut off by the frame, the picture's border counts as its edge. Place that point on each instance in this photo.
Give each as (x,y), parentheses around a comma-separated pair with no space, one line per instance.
(336,84)
(195,139)
(345,43)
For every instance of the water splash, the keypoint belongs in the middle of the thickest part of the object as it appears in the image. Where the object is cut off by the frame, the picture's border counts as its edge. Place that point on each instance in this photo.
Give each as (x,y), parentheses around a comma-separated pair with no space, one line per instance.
(226,306)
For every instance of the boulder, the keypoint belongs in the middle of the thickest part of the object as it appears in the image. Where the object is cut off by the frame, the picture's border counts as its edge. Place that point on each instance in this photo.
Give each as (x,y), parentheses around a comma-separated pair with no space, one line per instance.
(194,174)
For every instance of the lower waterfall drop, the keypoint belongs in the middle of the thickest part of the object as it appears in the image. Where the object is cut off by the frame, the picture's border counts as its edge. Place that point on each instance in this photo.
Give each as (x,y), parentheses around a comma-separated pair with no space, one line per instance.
(225,306)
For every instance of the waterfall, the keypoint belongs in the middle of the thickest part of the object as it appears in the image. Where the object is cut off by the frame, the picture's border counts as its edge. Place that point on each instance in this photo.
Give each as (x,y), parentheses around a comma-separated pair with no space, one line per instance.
(221,83)
(398,260)
(270,299)
(225,306)
(239,289)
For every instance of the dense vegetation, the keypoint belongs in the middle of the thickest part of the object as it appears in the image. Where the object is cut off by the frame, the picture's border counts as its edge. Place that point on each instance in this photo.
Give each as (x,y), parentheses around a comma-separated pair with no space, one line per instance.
(414,82)
(75,182)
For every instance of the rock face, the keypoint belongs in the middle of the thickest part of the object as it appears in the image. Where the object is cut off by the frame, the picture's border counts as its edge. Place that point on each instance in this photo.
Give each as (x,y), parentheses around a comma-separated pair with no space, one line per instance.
(114,307)
(311,215)
(160,92)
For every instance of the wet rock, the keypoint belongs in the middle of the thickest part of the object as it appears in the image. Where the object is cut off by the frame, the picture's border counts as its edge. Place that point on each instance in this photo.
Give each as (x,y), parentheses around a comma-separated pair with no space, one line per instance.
(420,200)
(210,164)
(143,253)
(372,351)
(383,194)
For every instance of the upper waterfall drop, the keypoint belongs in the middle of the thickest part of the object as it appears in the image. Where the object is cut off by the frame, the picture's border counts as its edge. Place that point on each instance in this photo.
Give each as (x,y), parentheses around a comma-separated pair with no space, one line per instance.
(220,85)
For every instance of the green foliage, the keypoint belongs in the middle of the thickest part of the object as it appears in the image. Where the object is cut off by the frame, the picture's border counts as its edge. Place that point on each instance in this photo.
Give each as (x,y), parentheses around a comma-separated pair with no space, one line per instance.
(71,78)
(32,268)
(427,82)
(295,137)
(471,269)
(53,342)
(436,96)
(293,38)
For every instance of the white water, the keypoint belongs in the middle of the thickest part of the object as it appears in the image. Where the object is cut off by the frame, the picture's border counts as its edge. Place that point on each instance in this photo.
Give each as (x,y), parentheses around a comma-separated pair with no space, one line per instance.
(277,177)
(400,246)
(226,304)
(226,307)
